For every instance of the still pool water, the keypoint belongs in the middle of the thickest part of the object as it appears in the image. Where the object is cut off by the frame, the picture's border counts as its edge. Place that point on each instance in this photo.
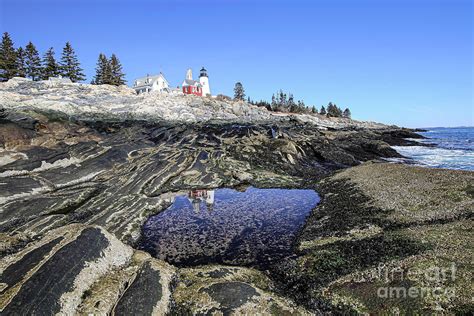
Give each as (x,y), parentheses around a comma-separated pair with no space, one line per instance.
(252,228)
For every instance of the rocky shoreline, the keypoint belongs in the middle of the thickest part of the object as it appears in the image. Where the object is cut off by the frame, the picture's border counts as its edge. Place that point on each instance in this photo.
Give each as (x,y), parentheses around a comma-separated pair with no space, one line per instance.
(77,189)
(386,226)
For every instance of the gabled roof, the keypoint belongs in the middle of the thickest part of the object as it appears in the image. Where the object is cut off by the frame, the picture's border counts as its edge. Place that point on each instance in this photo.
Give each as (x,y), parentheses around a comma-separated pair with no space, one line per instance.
(142,82)
(188,82)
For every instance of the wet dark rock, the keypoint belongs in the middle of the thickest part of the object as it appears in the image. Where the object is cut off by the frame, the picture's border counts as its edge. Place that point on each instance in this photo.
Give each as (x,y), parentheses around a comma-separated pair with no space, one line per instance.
(229,291)
(23,120)
(142,295)
(230,295)
(17,271)
(42,291)
(98,171)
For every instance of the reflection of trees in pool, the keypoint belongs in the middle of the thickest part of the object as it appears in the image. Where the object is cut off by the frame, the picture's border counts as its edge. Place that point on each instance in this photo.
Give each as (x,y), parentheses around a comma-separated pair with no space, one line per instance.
(196,197)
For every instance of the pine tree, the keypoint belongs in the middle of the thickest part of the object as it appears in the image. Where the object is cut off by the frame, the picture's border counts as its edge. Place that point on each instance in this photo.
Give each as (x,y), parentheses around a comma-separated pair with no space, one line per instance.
(291,105)
(314,110)
(281,102)
(8,66)
(33,62)
(330,109)
(282,98)
(108,77)
(323,111)
(70,66)
(50,66)
(239,92)
(102,70)
(267,105)
(21,62)
(334,110)
(302,107)
(273,105)
(346,113)
(116,72)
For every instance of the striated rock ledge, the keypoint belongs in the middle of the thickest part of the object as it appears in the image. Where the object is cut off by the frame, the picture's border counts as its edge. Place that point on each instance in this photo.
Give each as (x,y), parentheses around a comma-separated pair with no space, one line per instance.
(85,270)
(77,183)
(115,174)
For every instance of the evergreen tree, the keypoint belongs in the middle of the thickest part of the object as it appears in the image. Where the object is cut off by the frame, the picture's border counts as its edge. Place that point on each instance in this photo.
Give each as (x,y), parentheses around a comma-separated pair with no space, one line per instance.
(70,66)
(334,110)
(21,62)
(102,70)
(346,113)
(281,102)
(323,111)
(291,105)
(330,109)
(283,106)
(264,104)
(267,105)
(239,92)
(295,107)
(300,107)
(116,73)
(8,66)
(108,77)
(33,62)
(273,105)
(314,110)
(50,66)
(282,98)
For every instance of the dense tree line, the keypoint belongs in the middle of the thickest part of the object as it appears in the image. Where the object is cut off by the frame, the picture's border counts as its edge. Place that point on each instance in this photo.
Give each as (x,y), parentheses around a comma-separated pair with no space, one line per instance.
(285,102)
(26,62)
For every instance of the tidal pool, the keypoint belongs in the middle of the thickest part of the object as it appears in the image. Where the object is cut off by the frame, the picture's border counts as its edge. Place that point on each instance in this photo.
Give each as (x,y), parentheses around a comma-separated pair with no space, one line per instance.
(252,228)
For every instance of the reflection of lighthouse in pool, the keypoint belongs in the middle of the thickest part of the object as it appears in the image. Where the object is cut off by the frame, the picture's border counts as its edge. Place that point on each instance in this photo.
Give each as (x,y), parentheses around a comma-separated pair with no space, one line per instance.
(198,196)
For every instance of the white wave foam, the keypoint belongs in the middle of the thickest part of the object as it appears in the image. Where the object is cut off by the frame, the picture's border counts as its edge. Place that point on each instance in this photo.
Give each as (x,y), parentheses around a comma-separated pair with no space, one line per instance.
(439,157)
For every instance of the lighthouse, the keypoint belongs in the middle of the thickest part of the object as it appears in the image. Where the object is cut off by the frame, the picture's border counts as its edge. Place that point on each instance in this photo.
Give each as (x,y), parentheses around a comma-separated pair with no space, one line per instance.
(204,81)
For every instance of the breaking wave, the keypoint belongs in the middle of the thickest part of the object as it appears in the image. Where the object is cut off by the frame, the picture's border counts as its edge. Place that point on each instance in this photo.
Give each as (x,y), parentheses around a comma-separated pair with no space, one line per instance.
(454,149)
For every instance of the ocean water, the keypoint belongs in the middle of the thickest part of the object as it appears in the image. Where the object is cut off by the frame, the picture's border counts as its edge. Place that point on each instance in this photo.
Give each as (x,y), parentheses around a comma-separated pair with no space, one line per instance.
(453,148)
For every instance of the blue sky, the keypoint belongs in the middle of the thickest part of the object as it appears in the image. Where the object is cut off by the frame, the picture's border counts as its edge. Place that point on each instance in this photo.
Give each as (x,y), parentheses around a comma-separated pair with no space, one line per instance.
(404,62)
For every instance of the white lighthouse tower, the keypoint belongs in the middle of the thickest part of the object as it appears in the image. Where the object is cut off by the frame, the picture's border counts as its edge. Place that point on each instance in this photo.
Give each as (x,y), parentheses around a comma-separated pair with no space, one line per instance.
(204,81)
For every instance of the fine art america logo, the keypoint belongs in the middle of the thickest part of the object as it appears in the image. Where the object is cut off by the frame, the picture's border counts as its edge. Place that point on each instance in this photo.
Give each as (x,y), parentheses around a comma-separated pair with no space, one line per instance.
(431,282)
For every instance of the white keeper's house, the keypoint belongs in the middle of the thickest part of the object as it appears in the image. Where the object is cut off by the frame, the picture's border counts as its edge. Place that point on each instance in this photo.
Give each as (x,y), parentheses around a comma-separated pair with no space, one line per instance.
(152,83)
